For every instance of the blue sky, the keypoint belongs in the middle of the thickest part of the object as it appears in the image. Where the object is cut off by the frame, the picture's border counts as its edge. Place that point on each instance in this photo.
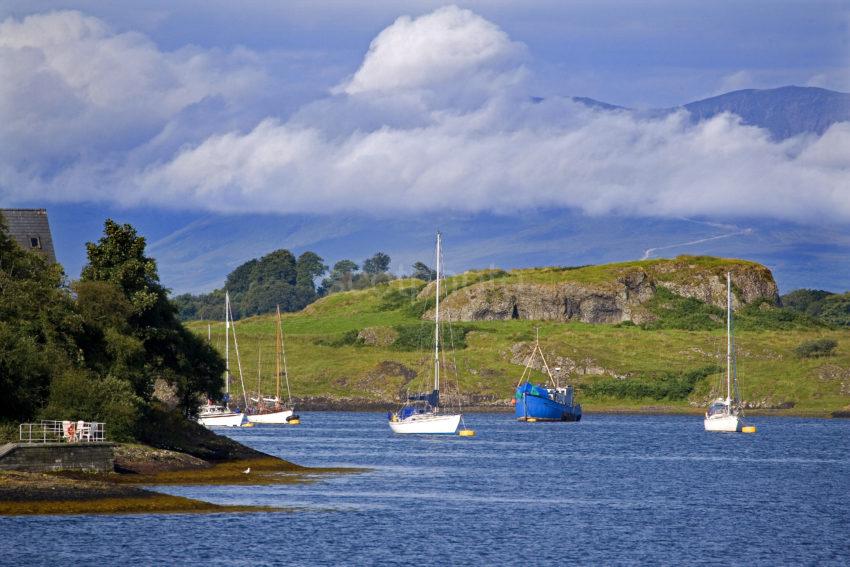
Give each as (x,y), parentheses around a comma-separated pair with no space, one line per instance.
(167,114)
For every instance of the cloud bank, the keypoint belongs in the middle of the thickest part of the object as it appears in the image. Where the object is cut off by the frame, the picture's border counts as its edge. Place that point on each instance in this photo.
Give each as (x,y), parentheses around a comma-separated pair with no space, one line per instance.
(437,117)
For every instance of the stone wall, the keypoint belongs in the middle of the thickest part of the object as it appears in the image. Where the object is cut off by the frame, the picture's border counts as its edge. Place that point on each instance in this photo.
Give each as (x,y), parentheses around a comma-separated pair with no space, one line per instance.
(46,457)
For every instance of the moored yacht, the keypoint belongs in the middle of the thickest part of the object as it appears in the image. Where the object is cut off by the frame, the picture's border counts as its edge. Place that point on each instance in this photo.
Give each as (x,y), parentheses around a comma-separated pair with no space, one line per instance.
(724,414)
(421,413)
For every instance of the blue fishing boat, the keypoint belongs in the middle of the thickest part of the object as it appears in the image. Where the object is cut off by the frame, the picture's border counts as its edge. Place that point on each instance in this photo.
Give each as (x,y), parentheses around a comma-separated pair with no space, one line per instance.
(537,402)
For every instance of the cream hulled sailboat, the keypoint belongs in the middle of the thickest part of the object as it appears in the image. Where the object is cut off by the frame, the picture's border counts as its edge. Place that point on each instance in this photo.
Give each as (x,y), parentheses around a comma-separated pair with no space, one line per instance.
(272,410)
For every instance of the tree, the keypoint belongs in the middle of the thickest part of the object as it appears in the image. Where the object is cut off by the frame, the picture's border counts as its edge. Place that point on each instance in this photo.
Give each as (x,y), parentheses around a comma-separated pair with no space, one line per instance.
(309,267)
(239,280)
(119,258)
(37,328)
(169,350)
(279,266)
(341,277)
(377,264)
(423,272)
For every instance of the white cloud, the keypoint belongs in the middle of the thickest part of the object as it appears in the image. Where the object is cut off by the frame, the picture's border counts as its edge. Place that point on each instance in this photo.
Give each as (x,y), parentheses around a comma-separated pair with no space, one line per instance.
(446,51)
(436,117)
(73,91)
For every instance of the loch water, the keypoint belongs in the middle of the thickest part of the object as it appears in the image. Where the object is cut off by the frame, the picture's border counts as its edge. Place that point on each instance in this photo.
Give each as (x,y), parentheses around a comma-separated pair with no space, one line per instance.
(610,490)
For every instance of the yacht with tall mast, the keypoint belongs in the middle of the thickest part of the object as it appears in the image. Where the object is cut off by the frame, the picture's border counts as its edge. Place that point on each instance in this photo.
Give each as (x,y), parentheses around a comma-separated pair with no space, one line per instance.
(212,414)
(725,414)
(421,413)
(268,409)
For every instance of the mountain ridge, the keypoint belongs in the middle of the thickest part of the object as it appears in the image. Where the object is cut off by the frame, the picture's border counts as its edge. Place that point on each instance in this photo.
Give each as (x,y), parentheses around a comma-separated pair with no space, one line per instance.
(785,111)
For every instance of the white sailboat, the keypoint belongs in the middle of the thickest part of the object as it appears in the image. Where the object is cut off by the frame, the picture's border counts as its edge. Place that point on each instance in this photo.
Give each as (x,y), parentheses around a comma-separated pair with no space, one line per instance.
(220,415)
(724,414)
(272,410)
(421,414)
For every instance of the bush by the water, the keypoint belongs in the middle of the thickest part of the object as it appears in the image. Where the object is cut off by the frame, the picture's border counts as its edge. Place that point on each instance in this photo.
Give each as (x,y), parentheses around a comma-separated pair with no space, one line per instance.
(92,351)
(816,348)
(672,386)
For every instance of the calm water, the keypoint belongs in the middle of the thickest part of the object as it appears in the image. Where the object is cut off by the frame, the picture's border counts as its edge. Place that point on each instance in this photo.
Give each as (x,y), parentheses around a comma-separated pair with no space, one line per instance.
(608,490)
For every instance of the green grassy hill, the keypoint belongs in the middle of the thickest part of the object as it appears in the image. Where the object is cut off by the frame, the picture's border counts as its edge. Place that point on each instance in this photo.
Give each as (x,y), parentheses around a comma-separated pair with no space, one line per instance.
(369,347)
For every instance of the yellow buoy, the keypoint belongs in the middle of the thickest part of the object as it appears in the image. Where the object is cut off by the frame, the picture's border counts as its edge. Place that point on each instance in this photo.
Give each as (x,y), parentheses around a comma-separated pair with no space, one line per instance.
(248,424)
(294,421)
(466,433)
(531,420)
(748,429)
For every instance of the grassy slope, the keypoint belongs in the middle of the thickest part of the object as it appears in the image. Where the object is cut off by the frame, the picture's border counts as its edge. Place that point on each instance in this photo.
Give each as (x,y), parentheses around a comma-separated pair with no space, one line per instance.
(768,369)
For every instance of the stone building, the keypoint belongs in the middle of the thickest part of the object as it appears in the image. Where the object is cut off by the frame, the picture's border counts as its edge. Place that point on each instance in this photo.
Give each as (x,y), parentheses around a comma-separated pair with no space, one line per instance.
(30,229)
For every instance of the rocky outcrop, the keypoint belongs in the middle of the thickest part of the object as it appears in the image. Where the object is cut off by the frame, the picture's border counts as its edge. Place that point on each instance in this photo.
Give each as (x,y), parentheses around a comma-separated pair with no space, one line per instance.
(378,336)
(750,282)
(605,294)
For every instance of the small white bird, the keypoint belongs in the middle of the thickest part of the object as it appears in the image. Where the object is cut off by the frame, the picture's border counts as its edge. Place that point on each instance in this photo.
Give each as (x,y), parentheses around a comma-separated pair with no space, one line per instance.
(248,470)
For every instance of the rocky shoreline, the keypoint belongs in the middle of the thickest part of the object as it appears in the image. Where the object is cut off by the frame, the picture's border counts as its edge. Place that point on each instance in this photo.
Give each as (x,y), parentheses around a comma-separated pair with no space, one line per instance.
(77,492)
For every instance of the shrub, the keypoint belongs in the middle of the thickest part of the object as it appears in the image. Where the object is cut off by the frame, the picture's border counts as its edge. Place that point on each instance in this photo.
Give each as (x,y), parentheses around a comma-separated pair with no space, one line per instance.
(671,386)
(348,338)
(762,316)
(816,348)
(421,336)
(78,395)
(676,312)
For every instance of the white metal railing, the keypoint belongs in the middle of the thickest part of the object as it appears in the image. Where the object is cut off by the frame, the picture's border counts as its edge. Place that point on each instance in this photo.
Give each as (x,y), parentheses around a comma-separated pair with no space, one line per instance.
(48,431)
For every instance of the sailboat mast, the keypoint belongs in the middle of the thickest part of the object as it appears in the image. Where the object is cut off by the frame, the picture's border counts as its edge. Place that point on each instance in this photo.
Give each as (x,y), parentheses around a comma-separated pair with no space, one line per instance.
(227,343)
(437,321)
(277,347)
(728,336)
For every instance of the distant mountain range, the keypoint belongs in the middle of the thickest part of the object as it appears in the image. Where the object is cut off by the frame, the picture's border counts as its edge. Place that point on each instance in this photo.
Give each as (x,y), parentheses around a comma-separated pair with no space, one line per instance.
(784,111)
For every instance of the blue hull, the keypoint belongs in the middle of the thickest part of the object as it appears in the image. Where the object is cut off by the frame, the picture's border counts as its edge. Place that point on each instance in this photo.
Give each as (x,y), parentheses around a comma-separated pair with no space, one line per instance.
(544,409)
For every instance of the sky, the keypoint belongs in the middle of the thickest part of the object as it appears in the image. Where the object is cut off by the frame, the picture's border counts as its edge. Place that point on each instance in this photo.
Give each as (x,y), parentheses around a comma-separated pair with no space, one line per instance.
(165,113)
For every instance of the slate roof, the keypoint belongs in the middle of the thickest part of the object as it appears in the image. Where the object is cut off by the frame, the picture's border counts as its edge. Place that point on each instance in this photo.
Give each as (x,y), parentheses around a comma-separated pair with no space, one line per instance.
(31,230)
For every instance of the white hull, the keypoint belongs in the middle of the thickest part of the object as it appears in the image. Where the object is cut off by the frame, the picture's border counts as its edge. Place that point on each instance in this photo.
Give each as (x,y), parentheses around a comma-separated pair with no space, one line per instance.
(427,423)
(723,423)
(223,420)
(276,417)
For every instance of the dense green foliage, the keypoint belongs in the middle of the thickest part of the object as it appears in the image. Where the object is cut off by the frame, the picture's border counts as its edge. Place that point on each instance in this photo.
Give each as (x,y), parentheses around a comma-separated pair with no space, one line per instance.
(93,350)
(412,337)
(676,312)
(816,348)
(671,386)
(673,311)
(830,308)
(762,316)
(258,286)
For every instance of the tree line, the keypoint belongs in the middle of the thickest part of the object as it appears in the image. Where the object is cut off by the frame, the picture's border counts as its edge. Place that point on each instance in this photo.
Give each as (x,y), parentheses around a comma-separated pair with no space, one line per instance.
(279,278)
(93,349)
(831,308)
